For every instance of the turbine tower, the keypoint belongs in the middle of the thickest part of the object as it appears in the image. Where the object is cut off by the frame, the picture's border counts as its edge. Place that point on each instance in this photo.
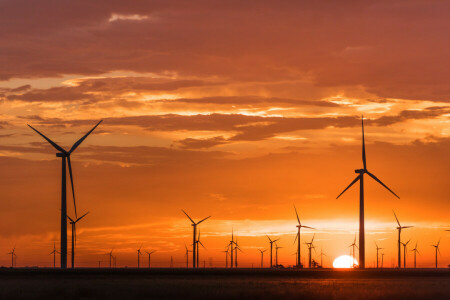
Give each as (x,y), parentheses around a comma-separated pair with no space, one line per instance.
(194,243)
(73,223)
(149,256)
(378,248)
(262,257)
(13,255)
(187,255)
(226,257)
(399,228)
(321,257)
(297,237)
(276,254)
(139,253)
(360,177)
(65,155)
(271,248)
(197,243)
(111,257)
(415,250)
(353,245)
(404,253)
(436,247)
(54,254)
(310,247)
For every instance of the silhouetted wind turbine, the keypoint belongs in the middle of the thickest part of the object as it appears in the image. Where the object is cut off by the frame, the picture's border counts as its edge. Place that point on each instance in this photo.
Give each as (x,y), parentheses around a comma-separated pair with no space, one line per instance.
(187,256)
(262,257)
(404,253)
(399,228)
(310,246)
(297,237)
(271,249)
(321,257)
(54,254)
(194,243)
(230,247)
(437,250)
(73,223)
(149,256)
(382,260)
(13,255)
(276,254)
(415,250)
(199,242)
(353,245)
(226,257)
(360,177)
(378,248)
(139,253)
(236,248)
(65,155)
(110,258)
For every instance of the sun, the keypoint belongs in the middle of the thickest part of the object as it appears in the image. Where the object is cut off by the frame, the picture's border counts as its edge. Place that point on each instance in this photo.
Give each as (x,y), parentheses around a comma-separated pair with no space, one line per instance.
(345,261)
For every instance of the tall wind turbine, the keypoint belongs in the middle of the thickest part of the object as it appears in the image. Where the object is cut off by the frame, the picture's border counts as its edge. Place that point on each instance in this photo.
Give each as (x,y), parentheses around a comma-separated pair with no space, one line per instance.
(230,247)
(65,155)
(415,250)
(149,256)
(310,247)
(199,242)
(399,228)
(187,256)
(139,253)
(236,248)
(54,254)
(262,257)
(353,245)
(271,248)
(111,257)
(297,237)
(436,247)
(13,255)
(378,248)
(404,253)
(226,257)
(73,223)
(194,243)
(360,177)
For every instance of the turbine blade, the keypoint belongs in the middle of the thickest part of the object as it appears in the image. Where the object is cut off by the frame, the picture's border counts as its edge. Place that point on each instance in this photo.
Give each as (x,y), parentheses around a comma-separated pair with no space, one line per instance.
(353,182)
(407,227)
(396,219)
(83,138)
(296,236)
(73,188)
(363,145)
(70,219)
(56,146)
(298,219)
(201,244)
(203,220)
(81,217)
(379,181)
(308,227)
(269,238)
(188,216)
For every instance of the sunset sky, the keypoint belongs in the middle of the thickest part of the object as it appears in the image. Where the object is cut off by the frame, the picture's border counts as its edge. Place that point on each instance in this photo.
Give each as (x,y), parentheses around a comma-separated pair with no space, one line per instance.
(234,109)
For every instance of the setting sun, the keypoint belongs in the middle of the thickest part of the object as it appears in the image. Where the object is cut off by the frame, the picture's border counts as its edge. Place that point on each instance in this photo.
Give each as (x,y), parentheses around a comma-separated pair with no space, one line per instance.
(344,261)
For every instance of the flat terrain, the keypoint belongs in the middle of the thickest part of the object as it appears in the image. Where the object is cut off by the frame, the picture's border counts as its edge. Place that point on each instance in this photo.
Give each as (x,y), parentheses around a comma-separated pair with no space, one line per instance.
(223,284)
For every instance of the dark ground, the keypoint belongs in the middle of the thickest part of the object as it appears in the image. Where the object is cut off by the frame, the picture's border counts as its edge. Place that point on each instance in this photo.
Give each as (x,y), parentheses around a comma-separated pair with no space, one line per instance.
(224,284)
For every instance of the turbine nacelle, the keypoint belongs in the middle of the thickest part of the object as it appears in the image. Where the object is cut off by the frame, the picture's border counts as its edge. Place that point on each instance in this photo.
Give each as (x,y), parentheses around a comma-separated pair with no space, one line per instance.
(361,171)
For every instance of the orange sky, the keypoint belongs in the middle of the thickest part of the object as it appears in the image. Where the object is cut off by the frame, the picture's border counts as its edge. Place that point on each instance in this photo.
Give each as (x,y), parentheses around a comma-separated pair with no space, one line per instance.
(224,108)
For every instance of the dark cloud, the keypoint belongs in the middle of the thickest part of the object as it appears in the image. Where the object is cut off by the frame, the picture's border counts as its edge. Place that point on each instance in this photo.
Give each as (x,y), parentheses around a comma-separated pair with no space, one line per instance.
(191,143)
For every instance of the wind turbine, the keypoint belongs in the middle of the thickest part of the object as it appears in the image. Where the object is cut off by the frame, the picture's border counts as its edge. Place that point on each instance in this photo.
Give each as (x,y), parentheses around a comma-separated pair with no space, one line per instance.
(230,247)
(415,250)
(149,255)
(360,177)
(65,155)
(236,248)
(404,253)
(382,260)
(139,253)
(13,254)
(321,257)
(437,250)
(310,246)
(226,257)
(186,255)
(297,237)
(194,243)
(54,254)
(73,223)
(353,245)
(378,248)
(271,247)
(262,257)
(276,254)
(199,242)
(110,257)
(399,228)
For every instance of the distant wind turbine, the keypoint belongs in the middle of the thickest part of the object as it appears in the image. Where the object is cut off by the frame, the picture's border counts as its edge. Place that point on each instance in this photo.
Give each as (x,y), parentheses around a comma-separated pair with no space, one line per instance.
(404,253)
(297,237)
(65,155)
(276,253)
(353,245)
(415,250)
(399,228)
(13,255)
(262,257)
(226,257)
(271,249)
(54,254)
(378,248)
(73,223)
(360,177)
(198,252)
(187,255)
(139,253)
(321,257)
(149,256)
(382,260)
(110,258)
(436,247)
(236,248)
(310,247)
(194,243)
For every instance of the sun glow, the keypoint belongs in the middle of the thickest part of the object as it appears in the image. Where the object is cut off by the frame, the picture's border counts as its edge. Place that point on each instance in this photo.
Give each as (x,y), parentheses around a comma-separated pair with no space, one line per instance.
(344,261)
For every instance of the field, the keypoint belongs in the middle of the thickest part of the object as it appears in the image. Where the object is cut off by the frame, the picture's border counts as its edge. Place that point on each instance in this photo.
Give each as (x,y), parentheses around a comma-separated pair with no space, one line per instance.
(223,284)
